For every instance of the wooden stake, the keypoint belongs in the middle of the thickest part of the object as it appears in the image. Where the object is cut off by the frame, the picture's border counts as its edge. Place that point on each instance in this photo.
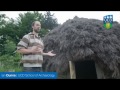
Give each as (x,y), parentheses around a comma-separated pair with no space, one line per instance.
(72,70)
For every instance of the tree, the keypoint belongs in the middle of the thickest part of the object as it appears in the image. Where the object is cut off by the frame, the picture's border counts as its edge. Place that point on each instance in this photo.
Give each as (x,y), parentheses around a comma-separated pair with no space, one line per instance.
(50,21)
(9,47)
(25,20)
(2,26)
(14,30)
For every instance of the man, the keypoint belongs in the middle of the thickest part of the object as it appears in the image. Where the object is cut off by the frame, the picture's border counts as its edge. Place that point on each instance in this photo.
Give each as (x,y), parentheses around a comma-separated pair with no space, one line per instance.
(31,46)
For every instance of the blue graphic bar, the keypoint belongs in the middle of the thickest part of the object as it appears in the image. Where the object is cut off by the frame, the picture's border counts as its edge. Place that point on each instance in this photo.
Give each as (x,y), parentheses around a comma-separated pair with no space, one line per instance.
(28,75)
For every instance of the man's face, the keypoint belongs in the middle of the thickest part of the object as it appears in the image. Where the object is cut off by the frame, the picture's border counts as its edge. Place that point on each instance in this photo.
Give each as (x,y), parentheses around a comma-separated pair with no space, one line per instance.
(37,26)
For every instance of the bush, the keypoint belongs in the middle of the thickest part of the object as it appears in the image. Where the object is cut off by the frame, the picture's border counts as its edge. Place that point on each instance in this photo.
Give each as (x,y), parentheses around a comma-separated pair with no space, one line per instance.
(10,63)
(9,47)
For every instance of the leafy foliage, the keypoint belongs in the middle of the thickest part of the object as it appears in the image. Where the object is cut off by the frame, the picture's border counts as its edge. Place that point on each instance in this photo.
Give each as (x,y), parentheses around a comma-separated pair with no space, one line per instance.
(11,31)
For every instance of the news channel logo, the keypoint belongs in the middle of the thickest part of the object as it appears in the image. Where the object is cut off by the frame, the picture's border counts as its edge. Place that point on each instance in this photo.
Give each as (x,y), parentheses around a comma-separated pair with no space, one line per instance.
(108,21)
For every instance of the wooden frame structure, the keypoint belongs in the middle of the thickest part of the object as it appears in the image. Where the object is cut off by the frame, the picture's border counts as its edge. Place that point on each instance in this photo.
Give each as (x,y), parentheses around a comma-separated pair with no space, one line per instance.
(99,72)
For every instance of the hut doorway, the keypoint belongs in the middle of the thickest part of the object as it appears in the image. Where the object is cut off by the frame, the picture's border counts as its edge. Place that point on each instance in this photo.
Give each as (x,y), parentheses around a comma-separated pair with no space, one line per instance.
(83,69)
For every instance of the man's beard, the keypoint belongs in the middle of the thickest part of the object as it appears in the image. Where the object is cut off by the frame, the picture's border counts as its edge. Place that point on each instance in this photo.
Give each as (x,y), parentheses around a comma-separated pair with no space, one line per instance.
(37,30)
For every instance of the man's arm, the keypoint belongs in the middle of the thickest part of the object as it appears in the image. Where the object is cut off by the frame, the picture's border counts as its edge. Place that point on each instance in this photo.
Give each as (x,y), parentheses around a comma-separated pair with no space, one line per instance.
(33,50)
(48,54)
(24,51)
(45,54)
(22,46)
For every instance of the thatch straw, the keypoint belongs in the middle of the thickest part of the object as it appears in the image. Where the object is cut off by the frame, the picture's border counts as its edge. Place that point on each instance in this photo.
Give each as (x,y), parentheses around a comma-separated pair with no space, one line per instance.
(83,39)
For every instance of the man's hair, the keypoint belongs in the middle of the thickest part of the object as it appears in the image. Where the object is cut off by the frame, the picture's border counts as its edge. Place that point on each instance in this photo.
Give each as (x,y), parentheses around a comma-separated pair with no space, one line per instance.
(34,23)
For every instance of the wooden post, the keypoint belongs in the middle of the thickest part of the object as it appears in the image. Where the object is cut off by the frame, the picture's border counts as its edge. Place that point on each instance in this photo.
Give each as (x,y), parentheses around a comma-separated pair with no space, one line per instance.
(99,72)
(72,70)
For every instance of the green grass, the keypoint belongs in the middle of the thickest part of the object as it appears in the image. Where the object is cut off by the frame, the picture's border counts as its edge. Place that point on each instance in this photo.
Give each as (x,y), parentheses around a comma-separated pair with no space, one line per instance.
(10,63)
(10,66)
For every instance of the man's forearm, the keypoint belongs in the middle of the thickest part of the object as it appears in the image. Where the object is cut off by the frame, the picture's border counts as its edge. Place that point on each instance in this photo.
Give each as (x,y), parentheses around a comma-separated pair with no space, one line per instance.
(29,51)
(24,51)
(45,54)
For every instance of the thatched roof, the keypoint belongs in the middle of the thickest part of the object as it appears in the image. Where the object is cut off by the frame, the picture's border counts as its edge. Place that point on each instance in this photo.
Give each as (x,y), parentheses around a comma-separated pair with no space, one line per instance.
(83,39)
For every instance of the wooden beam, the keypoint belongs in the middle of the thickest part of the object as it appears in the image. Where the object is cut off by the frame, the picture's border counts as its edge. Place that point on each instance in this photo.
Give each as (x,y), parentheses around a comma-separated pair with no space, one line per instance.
(99,72)
(72,70)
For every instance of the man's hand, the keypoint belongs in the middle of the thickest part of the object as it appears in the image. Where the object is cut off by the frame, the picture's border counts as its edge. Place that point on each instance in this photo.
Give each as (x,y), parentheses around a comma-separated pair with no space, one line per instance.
(33,50)
(36,49)
(50,53)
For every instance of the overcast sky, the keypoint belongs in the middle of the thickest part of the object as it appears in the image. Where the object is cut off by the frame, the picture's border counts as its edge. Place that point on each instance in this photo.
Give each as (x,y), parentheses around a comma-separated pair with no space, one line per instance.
(62,16)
